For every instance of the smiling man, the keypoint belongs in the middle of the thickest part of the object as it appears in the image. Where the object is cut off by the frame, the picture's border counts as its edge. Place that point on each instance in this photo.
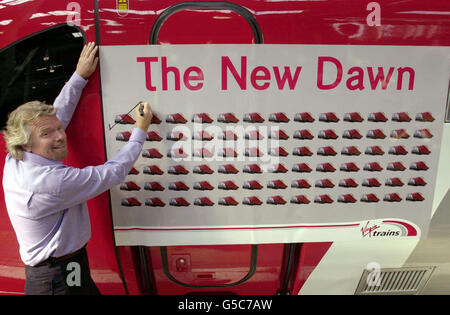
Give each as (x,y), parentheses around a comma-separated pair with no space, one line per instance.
(45,199)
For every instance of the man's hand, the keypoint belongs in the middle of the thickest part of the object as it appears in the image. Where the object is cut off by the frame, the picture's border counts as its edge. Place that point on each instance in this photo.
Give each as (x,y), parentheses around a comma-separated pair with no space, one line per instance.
(144,122)
(87,63)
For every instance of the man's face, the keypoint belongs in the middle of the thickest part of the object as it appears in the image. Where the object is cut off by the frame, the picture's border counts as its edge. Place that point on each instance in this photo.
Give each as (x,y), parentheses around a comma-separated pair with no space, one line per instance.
(48,138)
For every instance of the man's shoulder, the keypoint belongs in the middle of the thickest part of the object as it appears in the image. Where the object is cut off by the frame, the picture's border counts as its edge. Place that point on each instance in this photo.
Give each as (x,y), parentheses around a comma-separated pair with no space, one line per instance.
(34,177)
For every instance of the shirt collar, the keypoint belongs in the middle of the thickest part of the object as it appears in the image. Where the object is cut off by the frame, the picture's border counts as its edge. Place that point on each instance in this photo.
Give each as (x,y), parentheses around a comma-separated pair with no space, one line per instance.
(38,159)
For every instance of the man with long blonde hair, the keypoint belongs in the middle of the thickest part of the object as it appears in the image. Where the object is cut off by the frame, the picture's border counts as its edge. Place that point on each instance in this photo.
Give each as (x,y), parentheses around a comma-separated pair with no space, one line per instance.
(45,199)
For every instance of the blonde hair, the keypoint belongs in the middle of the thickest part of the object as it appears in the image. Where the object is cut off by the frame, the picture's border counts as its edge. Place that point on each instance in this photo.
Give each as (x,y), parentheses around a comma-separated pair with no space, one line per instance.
(18,131)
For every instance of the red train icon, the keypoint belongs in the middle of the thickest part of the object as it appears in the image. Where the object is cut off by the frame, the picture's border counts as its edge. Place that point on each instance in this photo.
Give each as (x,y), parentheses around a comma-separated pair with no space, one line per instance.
(252,169)
(415,197)
(123,136)
(153,170)
(377,117)
(353,117)
(327,134)
(179,202)
(369,198)
(420,150)
(350,150)
(253,118)
(301,168)
(202,118)
(253,152)
(401,117)
(203,185)
(228,201)
(394,182)
(300,183)
(176,153)
(373,167)
(252,201)
(351,134)
(252,185)
(392,197)
(278,151)
(417,181)
(423,134)
(153,186)
(278,117)
(374,150)
(177,170)
(152,153)
(133,171)
(130,202)
(176,119)
(124,119)
(228,135)
(154,202)
(278,168)
(326,151)
(202,135)
(323,199)
(202,169)
(227,118)
(178,186)
(398,150)
(129,186)
(425,116)
(348,182)
(399,134)
(325,167)
(371,182)
(153,136)
(300,199)
(375,134)
(395,166)
(203,202)
(349,167)
(228,185)
(227,169)
(176,135)
(303,134)
(253,135)
(324,183)
(346,198)
(276,200)
(328,117)
(302,151)
(418,166)
(278,134)
(303,117)
(276,184)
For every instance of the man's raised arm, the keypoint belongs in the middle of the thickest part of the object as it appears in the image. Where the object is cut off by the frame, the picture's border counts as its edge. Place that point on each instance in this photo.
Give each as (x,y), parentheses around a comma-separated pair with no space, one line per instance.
(68,98)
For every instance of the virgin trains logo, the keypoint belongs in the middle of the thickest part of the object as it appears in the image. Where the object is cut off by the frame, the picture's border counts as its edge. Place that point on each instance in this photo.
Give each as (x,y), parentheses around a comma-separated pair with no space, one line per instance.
(387,228)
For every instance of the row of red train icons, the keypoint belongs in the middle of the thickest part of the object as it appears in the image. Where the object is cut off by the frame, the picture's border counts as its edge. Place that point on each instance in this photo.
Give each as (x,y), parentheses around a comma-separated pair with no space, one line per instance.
(302,134)
(280,168)
(271,184)
(281,151)
(273,200)
(280,117)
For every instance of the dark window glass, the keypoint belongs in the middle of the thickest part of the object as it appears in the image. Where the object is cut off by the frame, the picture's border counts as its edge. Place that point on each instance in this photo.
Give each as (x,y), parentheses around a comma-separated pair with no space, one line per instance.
(37,67)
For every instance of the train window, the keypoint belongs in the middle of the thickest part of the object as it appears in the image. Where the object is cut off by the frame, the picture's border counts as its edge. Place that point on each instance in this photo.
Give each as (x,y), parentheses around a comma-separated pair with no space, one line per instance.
(36,68)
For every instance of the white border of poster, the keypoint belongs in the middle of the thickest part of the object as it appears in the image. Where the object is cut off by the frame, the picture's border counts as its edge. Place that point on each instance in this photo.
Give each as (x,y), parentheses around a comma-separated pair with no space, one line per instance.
(316,106)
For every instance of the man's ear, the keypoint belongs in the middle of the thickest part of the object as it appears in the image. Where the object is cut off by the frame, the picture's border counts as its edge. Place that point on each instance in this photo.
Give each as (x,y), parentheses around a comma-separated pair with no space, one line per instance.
(26,147)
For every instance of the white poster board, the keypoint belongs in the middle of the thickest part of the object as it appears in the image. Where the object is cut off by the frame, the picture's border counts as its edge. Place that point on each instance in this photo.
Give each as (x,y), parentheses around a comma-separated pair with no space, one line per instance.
(349,141)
